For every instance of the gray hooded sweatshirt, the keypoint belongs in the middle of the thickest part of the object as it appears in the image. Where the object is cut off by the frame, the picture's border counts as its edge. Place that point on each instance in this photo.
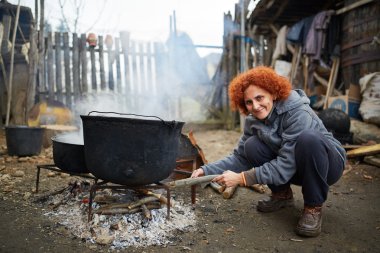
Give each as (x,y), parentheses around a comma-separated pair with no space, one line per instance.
(279,131)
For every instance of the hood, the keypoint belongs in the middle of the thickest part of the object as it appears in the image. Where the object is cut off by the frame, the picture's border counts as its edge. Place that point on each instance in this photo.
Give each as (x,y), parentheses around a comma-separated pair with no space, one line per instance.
(296,98)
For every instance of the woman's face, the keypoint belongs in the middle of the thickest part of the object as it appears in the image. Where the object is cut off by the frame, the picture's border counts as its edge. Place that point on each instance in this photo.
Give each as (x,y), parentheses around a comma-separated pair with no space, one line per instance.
(258,101)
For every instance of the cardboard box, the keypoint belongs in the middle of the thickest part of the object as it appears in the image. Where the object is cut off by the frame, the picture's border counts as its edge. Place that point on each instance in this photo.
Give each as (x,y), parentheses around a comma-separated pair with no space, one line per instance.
(354,93)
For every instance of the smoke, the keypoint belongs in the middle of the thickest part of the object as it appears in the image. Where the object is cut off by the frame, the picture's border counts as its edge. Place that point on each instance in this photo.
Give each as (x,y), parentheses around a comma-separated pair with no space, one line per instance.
(172,85)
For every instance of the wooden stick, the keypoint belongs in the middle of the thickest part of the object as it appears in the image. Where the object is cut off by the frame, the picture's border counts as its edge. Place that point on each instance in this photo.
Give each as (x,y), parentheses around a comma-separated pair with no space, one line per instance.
(364,151)
(160,197)
(47,195)
(146,212)
(217,187)
(229,192)
(108,210)
(258,188)
(352,6)
(10,80)
(191,181)
(141,202)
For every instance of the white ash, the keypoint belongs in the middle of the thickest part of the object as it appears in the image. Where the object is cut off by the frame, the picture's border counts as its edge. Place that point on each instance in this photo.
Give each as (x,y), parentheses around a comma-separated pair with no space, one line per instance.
(122,231)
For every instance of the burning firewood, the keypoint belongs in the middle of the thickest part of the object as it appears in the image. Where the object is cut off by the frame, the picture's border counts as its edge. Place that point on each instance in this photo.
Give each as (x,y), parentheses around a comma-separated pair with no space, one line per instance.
(142,201)
(146,212)
(109,210)
(105,199)
(161,197)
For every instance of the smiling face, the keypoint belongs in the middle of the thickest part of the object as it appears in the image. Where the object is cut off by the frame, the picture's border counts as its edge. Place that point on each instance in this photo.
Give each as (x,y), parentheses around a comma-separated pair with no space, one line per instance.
(258,101)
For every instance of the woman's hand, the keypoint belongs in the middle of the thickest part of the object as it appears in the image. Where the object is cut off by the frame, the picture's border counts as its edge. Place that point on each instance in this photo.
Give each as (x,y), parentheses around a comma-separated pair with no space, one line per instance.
(229,178)
(197,173)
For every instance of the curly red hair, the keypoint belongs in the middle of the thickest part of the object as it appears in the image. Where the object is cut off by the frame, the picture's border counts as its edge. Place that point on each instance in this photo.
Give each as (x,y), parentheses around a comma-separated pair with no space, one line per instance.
(265,78)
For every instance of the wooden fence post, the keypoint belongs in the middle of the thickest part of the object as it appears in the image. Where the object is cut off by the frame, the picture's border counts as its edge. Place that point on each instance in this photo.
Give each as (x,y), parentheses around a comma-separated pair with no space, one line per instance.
(76,66)
(124,38)
(101,64)
(111,57)
(66,59)
(149,74)
(58,66)
(93,69)
(50,66)
(118,68)
(83,63)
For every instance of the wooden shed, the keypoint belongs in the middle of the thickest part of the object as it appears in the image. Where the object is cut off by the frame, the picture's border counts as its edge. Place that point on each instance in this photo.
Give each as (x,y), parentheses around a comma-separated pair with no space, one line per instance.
(357,32)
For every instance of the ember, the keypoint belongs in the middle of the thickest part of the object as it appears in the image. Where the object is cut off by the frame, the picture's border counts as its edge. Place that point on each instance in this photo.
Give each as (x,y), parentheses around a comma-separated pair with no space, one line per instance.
(118,230)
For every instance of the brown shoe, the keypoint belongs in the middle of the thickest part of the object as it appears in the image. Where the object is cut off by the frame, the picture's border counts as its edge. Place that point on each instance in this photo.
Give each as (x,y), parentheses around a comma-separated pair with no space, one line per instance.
(310,223)
(277,201)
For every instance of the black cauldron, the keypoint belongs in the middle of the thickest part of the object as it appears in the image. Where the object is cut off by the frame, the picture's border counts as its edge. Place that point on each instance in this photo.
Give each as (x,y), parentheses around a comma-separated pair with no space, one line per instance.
(128,150)
(68,153)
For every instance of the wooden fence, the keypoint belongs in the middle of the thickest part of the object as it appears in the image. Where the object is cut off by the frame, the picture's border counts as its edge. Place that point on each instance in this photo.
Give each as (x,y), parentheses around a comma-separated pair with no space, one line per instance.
(73,69)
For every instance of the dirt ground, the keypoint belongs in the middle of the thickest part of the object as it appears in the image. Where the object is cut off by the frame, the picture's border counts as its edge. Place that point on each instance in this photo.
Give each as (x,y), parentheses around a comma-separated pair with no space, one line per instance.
(351,216)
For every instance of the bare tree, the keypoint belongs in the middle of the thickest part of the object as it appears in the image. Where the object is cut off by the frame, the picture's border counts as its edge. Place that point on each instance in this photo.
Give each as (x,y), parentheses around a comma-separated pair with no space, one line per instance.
(77,7)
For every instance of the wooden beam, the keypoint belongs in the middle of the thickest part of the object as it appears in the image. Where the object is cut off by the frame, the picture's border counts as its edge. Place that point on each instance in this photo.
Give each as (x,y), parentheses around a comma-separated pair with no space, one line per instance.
(364,151)
(353,6)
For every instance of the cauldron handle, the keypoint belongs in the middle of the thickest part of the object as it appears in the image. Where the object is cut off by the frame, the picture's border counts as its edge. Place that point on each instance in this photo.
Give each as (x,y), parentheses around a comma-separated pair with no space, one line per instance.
(138,115)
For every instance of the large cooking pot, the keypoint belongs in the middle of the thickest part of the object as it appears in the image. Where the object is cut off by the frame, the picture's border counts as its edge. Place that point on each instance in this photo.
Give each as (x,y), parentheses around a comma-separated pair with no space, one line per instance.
(128,150)
(68,153)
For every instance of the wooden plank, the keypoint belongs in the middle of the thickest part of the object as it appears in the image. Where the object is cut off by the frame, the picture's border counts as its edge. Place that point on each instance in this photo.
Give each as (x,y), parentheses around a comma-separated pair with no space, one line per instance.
(159,62)
(133,54)
(118,68)
(135,88)
(352,6)
(101,63)
(373,160)
(58,65)
(66,59)
(33,62)
(332,80)
(83,63)
(93,69)
(142,72)
(149,69)
(76,67)
(111,58)
(124,38)
(364,151)
(7,21)
(50,66)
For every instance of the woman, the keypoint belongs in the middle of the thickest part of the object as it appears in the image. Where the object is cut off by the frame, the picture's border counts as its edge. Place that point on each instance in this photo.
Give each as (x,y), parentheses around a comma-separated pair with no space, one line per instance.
(284,143)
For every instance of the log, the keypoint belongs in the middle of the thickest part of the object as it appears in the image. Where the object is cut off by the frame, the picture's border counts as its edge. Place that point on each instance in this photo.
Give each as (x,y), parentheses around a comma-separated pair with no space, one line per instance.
(126,210)
(372,160)
(364,151)
(217,187)
(191,181)
(159,196)
(258,188)
(141,202)
(129,205)
(229,192)
(146,212)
